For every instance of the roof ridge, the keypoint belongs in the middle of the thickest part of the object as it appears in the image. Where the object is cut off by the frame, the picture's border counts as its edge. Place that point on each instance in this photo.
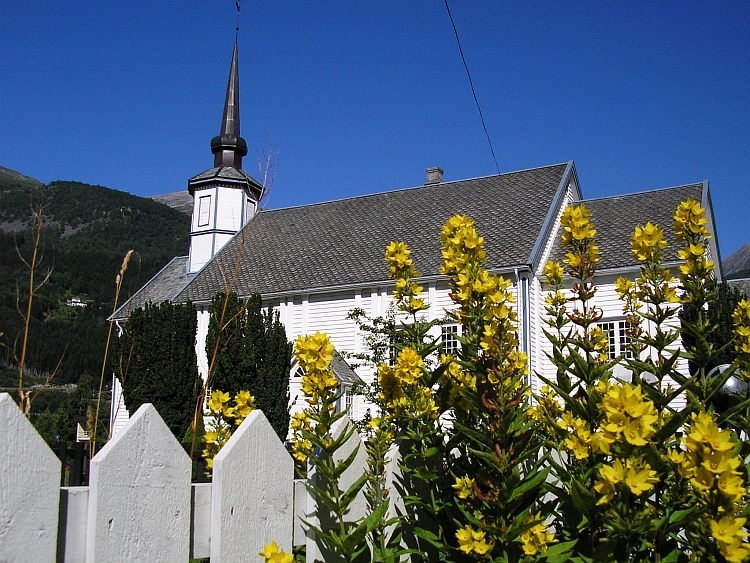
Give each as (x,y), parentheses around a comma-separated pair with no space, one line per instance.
(643,192)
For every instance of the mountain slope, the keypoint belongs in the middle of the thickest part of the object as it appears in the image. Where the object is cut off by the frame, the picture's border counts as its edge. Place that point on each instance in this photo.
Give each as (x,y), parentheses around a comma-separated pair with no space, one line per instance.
(738,264)
(181,201)
(87,231)
(10,177)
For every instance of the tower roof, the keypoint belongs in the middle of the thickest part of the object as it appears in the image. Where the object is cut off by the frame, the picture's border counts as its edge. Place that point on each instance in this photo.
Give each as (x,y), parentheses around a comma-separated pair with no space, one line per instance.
(228,147)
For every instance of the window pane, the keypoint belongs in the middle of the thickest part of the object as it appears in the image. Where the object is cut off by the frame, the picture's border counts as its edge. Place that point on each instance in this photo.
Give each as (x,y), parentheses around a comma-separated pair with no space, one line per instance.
(204,205)
(449,340)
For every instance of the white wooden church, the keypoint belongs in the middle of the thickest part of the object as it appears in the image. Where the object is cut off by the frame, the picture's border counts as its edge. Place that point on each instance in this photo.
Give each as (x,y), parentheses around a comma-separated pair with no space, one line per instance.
(315,263)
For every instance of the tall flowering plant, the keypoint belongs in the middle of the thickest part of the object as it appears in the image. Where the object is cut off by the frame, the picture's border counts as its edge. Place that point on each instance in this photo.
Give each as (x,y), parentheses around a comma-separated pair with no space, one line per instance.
(629,487)
(339,536)
(471,474)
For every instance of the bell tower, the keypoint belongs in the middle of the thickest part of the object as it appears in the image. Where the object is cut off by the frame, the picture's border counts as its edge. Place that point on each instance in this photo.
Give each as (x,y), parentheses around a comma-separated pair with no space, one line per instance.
(225,198)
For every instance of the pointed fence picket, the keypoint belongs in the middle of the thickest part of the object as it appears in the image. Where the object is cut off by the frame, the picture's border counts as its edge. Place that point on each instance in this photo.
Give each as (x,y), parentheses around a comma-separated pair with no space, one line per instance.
(140,504)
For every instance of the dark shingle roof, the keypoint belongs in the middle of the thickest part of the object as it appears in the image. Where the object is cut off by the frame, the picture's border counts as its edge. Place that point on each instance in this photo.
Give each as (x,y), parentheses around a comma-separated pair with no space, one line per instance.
(342,242)
(615,219)
(222,172)
(162,287)
(342,370)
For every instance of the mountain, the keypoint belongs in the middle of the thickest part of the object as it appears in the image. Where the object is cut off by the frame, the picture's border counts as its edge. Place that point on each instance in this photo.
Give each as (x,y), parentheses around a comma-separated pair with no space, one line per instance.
(10,177)
(181,201)
(86,232)
(737,266)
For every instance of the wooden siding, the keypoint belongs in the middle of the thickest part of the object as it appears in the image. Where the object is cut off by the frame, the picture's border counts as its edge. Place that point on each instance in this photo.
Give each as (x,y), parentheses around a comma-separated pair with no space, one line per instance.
(229,209)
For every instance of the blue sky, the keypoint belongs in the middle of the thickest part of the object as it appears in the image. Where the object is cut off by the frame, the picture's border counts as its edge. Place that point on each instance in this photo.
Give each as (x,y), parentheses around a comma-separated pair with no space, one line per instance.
(361,97)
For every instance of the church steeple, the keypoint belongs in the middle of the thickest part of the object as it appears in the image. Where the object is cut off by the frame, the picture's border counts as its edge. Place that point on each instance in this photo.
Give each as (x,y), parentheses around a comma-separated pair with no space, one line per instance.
(225,197)
(228,147)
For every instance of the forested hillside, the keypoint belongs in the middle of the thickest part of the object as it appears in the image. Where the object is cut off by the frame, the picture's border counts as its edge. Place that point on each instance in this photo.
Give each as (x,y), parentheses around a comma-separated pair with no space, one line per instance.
(87,231)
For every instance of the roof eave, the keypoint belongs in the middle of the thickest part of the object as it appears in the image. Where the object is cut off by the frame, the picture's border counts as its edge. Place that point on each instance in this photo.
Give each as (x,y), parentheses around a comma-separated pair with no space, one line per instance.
(545,232)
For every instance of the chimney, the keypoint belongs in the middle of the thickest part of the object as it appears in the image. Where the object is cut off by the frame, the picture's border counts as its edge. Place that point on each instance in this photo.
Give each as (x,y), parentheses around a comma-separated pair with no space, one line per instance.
(434,175)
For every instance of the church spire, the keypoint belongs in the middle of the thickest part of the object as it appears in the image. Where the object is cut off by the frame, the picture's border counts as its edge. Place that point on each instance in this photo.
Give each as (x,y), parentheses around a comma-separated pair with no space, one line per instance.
(228,147)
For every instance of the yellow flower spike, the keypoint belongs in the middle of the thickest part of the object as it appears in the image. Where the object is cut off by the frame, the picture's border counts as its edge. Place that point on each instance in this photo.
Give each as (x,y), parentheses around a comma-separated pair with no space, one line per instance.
(464,487)
(576,224)
(553,271)
(646,241)
(690,220)
(217,401)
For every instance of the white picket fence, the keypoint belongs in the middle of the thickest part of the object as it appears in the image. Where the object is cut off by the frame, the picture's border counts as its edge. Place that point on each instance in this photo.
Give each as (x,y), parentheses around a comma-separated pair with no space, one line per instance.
(140,504)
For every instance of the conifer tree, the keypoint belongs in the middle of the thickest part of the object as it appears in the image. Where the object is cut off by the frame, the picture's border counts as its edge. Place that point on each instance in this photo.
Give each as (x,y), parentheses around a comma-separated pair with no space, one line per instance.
(224,343)
(156,363)
(252,353)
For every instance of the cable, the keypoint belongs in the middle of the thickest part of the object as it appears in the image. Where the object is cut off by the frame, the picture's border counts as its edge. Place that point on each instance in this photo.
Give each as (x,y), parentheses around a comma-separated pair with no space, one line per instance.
(471,83)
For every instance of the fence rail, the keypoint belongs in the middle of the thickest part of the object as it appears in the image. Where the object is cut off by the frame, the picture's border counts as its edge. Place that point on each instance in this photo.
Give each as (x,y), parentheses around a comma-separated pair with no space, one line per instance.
(140,504)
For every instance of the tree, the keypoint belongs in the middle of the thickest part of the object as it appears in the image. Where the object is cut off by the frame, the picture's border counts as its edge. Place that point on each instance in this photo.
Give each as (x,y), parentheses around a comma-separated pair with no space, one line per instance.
(250,351)
(156,363)
(720,336)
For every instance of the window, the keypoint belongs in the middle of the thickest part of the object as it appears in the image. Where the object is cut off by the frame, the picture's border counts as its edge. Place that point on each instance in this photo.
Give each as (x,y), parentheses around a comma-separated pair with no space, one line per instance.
(617,337)
(449,339)
(204,207)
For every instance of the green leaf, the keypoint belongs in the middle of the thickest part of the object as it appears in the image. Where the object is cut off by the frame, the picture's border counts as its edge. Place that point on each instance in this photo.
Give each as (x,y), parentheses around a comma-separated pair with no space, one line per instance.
(529,484)
(365,527)
(582,498)
(429,537)
(353,491)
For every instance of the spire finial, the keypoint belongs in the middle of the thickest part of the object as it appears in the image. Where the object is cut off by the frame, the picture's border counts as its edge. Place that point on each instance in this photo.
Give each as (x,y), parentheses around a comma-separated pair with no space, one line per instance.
(228,147)
(237,27)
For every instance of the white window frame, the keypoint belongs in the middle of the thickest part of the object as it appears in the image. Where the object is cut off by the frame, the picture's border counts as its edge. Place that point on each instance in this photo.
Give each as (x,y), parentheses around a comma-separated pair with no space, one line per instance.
(617,337)
(448,338)
(204,210)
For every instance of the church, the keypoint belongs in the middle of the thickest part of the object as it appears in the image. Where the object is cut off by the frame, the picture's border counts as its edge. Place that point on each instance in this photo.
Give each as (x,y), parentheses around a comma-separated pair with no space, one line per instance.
(316,263)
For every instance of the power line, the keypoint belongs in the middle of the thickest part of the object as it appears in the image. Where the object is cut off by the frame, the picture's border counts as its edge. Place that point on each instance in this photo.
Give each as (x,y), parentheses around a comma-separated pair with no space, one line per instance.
(471,83)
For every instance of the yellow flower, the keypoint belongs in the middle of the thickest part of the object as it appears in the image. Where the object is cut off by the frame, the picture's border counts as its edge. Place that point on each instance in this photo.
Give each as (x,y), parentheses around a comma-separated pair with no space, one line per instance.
(314,352)
(578,443)
(464,487)
(640,480)
(601,442)
(735,551)
(409,366)
(647,241)
(623,287)
(576,224)
(702,479)
(273,555)
(689,219)
(218,400)
(728,528)
(472,541)
(537,538)
(732,486)
(613,473)
(553,271)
